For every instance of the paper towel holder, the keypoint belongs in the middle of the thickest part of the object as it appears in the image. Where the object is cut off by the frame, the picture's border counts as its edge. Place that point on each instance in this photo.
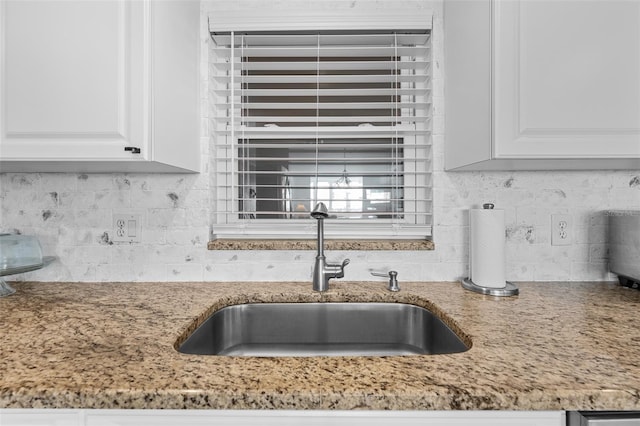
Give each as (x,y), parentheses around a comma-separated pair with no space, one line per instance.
(509,289)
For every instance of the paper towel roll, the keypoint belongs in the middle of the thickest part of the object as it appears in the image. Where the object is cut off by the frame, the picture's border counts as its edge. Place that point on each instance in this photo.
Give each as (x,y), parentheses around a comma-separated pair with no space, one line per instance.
(487,248)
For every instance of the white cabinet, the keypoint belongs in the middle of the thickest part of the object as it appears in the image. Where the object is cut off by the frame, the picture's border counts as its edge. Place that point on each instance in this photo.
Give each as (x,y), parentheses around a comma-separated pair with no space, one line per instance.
(84,85)
(280,418)
(10,417)
(544,84)
(333,418)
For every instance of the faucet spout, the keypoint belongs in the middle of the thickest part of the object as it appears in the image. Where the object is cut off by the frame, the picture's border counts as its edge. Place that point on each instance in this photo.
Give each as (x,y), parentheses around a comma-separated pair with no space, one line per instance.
(323,271)
(320,211)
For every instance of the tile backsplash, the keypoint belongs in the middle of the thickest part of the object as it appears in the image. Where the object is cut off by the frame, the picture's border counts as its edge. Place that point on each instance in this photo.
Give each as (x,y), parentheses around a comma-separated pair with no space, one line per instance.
(72,215)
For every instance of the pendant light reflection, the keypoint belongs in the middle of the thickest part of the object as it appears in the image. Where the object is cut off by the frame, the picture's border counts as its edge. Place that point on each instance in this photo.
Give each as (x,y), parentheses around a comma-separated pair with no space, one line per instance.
(344,179)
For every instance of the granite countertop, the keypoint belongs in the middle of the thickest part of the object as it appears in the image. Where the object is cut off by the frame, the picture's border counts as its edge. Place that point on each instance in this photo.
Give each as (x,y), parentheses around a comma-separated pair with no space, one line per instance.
(557,346)
(311,244)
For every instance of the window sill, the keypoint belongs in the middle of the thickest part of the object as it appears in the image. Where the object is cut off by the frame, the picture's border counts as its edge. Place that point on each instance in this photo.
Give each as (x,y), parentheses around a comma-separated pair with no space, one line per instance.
(240,244)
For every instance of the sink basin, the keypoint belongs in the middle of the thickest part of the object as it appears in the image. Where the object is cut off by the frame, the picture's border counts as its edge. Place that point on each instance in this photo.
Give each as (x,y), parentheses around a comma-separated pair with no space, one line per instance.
(322,329)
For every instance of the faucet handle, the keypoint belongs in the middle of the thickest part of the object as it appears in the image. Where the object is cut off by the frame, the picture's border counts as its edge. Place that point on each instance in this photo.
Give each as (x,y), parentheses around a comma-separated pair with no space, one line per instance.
(393,279)
(336,270)
(341,268)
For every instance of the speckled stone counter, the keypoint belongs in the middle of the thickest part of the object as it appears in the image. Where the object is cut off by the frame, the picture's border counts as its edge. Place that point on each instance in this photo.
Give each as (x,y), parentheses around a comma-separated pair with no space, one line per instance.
(330,244)
(557,346)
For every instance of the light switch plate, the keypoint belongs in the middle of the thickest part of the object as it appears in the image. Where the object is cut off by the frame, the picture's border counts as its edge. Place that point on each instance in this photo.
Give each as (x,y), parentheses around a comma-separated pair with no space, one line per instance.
(127,228)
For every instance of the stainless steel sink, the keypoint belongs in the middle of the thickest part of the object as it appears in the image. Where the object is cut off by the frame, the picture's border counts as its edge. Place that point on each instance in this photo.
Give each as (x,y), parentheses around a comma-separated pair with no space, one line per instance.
(322,329)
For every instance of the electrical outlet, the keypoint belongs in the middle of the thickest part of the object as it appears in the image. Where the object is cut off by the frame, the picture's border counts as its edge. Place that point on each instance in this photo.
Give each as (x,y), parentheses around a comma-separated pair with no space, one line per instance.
(561,230)
(127,228)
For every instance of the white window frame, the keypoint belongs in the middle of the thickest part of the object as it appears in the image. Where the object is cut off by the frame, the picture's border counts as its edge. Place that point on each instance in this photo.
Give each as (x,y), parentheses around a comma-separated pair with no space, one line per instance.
(319,17)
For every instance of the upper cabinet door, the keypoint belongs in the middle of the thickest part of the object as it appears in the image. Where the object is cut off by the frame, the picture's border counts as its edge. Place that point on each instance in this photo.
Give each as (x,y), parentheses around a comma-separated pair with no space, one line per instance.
(72,80)
(542,84)
(566,79)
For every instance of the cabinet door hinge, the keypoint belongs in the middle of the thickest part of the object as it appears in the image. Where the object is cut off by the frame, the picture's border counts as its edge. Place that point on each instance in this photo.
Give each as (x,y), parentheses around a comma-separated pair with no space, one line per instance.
(133,149)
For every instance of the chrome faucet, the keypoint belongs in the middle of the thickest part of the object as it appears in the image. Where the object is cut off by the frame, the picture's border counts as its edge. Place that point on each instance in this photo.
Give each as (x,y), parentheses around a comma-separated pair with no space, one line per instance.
(323,271)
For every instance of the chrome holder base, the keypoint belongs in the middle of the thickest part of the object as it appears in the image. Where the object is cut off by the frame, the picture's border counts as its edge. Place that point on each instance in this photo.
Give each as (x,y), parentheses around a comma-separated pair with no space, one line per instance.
(509,290)
(5,288)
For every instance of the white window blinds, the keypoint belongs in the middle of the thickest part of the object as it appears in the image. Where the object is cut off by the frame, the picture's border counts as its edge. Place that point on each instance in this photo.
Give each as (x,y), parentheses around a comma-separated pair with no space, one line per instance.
(338,117)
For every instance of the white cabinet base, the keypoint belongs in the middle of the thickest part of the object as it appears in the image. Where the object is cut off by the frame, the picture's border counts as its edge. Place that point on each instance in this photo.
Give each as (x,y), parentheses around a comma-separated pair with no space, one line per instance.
(92,166)
(10,417)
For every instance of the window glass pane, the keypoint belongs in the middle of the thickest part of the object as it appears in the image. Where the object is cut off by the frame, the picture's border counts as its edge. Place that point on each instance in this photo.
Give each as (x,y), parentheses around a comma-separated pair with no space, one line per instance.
(281,179)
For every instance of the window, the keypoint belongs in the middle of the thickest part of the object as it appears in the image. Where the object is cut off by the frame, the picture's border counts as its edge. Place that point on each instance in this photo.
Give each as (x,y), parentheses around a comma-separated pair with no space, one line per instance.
(341,117)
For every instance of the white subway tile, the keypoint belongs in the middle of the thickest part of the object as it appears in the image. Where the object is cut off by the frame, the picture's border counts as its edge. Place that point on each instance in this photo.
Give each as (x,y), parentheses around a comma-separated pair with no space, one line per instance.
(189,236)
(522,271)
(95,182)
(166,217)
(172,254)
(456,253)
(584,271)
(184,272)
(552,271)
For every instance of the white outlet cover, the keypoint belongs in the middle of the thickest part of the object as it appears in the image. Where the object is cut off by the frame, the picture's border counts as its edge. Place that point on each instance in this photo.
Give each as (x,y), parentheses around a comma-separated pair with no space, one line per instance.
(561,230)
(127,228)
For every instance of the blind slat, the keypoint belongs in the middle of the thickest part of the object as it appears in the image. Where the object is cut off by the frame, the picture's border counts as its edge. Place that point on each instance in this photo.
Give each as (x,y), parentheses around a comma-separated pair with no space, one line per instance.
(326,66)
(330,147)
(337,39)
(327,51)
(345,214)
(324,92)
(333,105)
(373,132)
(328,119)
(337,160)
(307,187)
(331,78)
(330,174)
